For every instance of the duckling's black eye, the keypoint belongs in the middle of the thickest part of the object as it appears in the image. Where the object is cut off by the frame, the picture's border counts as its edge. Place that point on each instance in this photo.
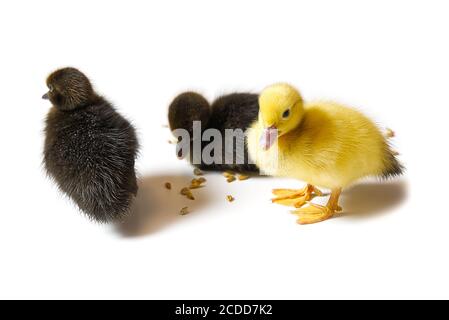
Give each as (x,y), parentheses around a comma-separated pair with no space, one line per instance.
(286,114)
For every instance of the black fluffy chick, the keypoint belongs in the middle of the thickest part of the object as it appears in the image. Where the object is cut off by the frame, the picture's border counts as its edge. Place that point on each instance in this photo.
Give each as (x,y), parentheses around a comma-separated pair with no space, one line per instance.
(89,149)
(233,111)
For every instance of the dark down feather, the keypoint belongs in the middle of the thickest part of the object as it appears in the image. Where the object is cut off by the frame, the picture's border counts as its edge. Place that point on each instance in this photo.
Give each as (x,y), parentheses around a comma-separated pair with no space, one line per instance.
(393,167)
(233,111)
(89,149)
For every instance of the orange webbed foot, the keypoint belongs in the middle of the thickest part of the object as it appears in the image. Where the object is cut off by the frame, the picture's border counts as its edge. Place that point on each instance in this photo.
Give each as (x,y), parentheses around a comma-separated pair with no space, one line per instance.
(295,197)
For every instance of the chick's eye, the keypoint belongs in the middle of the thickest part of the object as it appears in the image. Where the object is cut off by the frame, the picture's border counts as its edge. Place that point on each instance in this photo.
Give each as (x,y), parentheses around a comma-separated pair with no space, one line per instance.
(50,88)
(286,114)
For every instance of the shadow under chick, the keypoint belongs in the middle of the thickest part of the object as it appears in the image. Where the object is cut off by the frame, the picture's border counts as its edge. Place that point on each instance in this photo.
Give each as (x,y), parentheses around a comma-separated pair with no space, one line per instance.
(373,198)
(157,207)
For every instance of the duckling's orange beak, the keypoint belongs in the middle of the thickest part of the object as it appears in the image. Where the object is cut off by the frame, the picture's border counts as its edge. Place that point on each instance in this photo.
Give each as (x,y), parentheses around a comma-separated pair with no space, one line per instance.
(268,137)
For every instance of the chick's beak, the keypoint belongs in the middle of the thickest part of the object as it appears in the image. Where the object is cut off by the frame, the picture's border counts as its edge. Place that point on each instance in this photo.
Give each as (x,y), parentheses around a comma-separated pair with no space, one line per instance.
(45,96)
(268,137)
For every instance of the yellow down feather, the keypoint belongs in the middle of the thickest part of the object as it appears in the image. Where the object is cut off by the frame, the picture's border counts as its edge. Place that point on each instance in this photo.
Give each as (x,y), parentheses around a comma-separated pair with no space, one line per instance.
(323,143)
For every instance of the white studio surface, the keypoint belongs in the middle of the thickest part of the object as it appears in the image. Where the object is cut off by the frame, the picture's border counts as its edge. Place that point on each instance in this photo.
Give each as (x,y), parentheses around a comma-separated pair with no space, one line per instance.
(389,59)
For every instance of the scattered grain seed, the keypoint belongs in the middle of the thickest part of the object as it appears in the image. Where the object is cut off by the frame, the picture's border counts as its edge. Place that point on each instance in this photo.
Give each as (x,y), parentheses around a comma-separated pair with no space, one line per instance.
(230,179)
(230,198)
(197,172)
(186,192)
(228,174)
(194,184)
(184,211)
(168,185)
(242,177)
(197,183)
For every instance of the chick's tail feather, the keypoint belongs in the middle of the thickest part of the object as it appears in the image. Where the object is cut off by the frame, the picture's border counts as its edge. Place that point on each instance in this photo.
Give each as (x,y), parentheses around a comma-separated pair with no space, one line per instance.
(393,167)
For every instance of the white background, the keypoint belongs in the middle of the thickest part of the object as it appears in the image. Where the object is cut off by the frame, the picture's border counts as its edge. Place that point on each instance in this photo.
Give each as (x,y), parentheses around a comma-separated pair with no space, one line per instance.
(388,58)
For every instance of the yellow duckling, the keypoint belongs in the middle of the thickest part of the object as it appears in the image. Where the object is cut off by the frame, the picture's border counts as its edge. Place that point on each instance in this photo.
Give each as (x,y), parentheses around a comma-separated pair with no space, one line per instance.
(325,144)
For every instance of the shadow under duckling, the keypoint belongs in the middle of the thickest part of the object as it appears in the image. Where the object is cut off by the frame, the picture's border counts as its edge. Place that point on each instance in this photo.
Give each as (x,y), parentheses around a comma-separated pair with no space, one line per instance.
(90,149)
(323,143)
(233,111)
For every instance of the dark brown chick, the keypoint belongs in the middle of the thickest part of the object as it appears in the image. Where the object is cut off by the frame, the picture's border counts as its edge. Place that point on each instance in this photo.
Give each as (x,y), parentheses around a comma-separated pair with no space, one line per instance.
(232,111)
(90,149)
